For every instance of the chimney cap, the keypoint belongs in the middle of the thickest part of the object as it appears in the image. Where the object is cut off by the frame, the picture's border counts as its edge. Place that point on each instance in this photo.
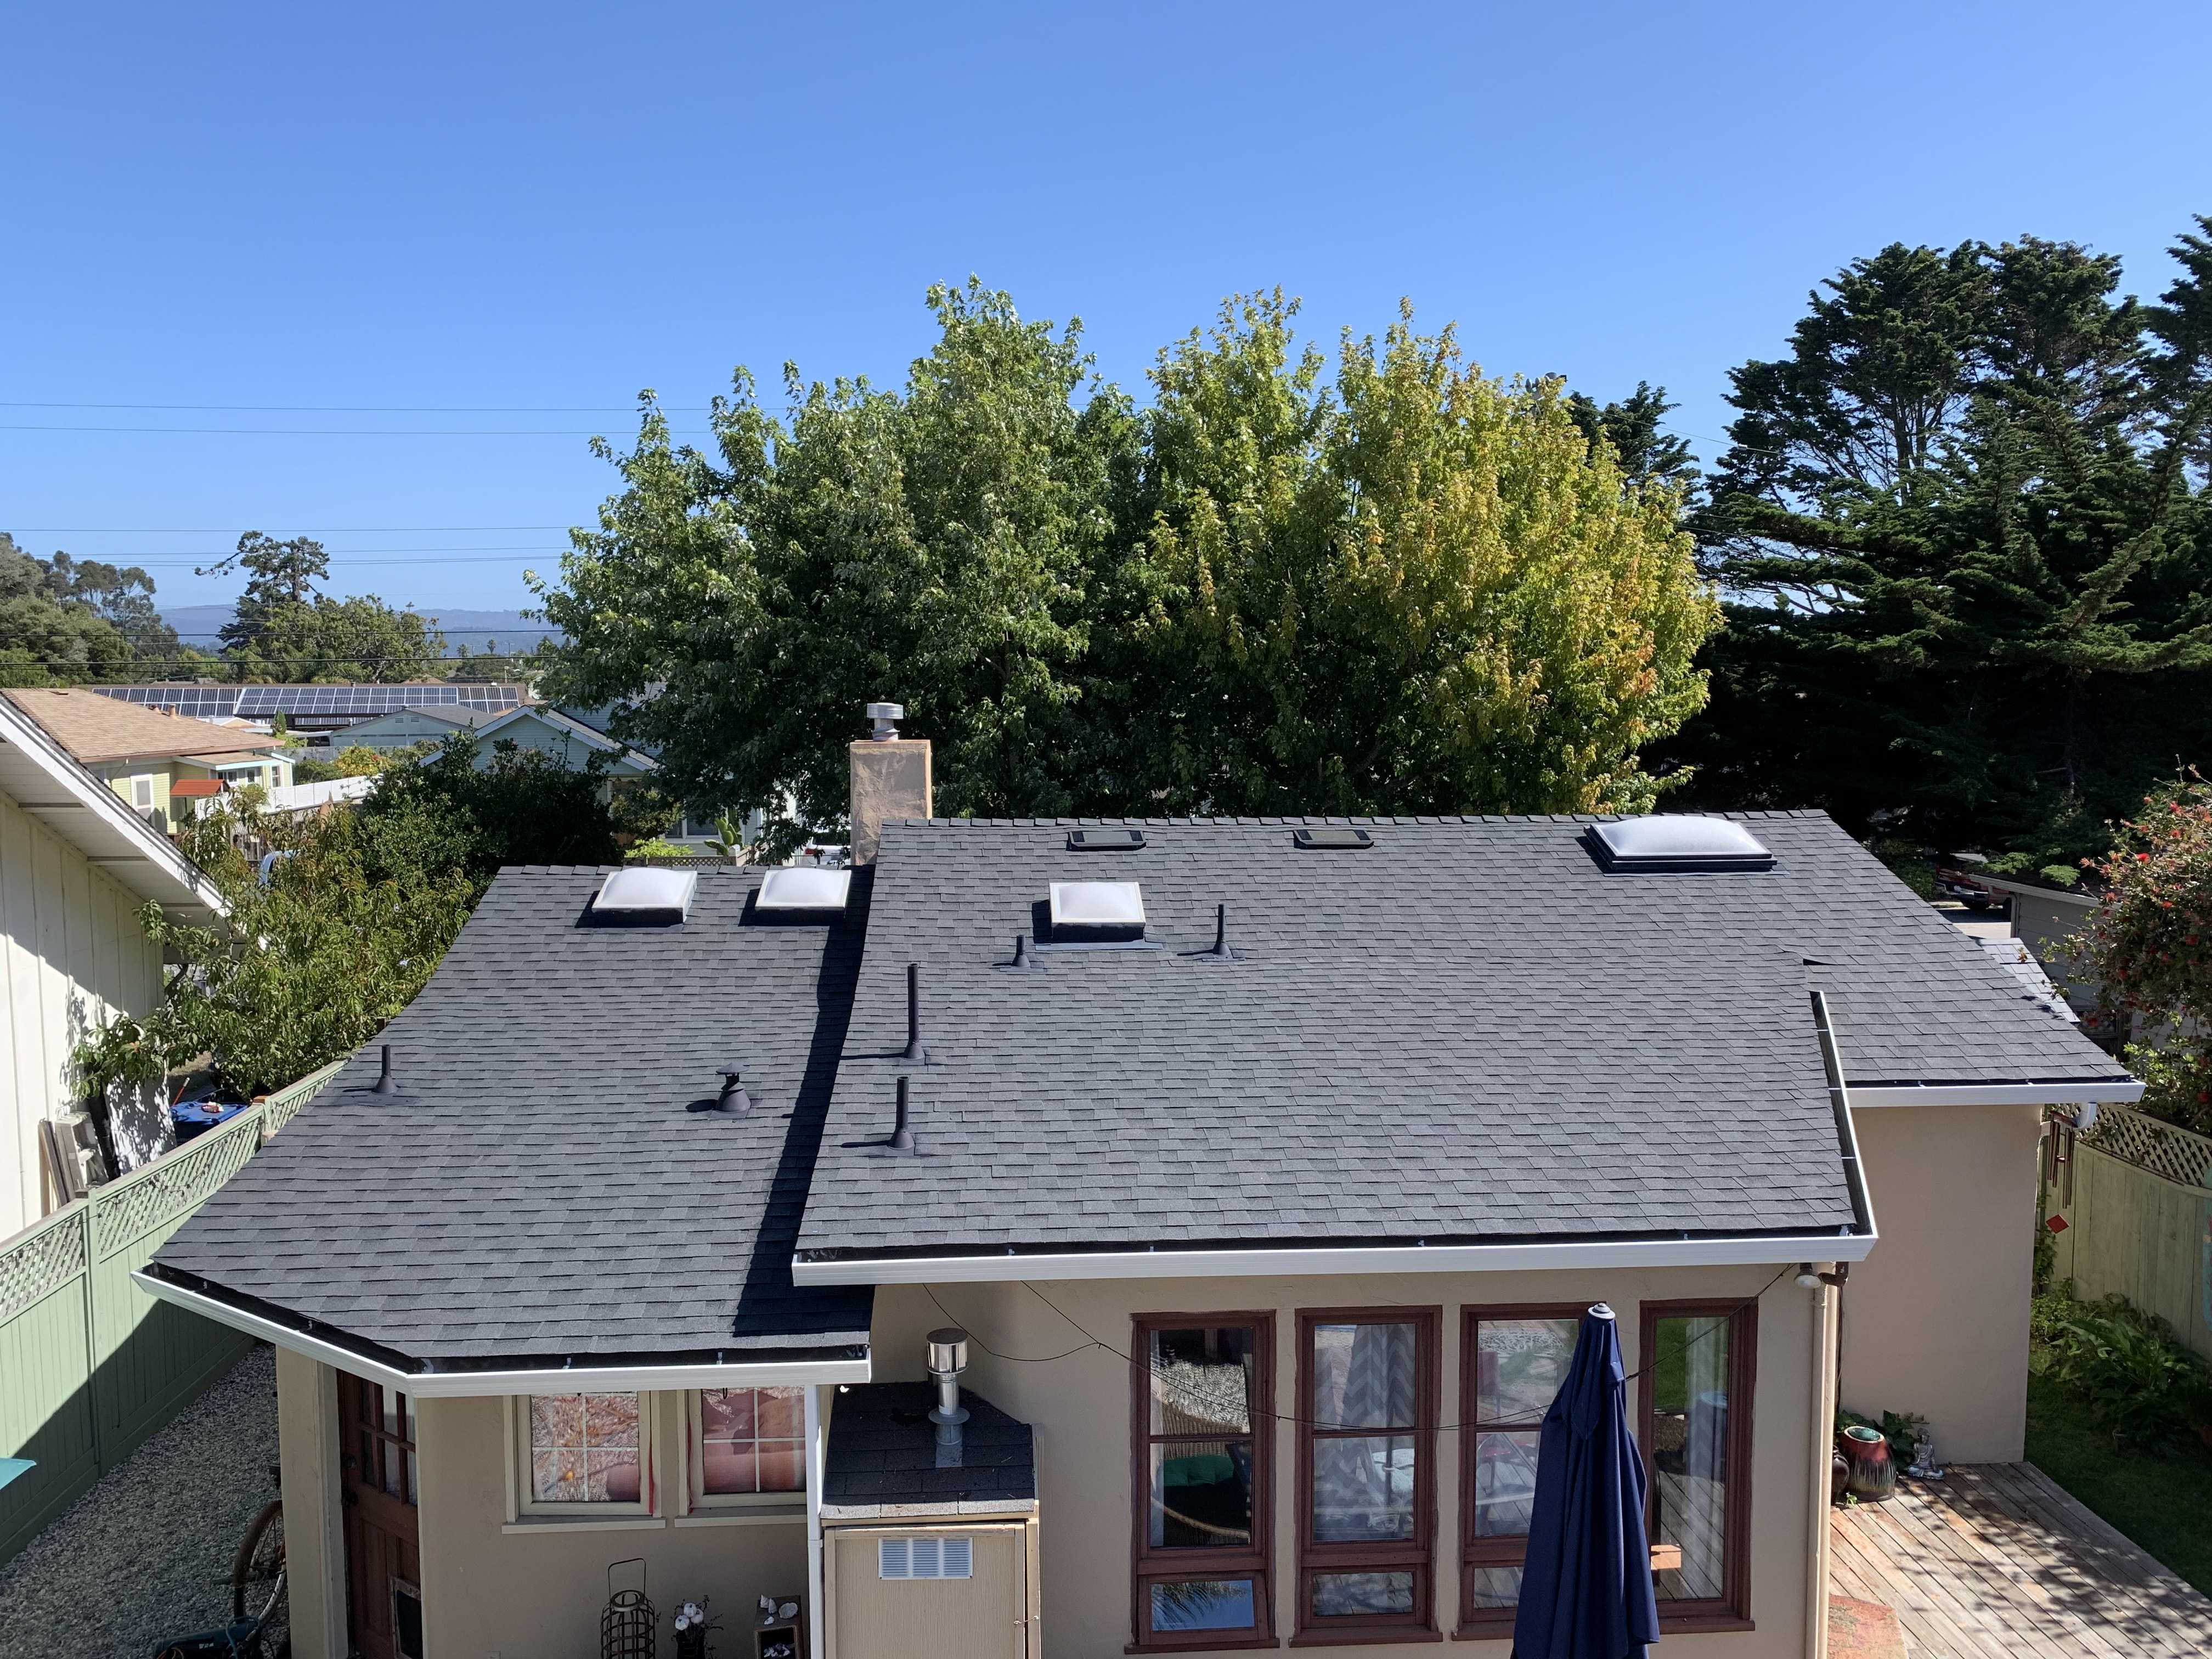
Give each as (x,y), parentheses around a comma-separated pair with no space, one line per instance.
(948,1351)
(885,718)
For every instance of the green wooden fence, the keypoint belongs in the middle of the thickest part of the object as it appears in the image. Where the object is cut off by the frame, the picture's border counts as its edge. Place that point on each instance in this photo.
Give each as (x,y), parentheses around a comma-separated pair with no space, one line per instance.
(89,1363)
(2140,1221)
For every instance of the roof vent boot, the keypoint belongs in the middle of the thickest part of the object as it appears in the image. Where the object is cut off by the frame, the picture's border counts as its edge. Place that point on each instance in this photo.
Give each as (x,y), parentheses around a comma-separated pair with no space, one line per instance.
(948,1358)
(889,777)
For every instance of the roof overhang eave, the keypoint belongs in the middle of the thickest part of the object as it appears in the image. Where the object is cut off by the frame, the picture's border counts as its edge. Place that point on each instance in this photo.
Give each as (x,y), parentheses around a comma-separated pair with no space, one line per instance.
(429,1383)
(1749,1249)
(2105,1091)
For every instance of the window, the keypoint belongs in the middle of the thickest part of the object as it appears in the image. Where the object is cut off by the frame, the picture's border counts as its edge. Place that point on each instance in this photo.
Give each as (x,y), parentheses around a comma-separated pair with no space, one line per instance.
(929,1556)
(746,1443)
(1203,1445)
(1512,1361)
(383,1452)
(142,791)
(1697,1360)
(586,1451)
(1366,1398)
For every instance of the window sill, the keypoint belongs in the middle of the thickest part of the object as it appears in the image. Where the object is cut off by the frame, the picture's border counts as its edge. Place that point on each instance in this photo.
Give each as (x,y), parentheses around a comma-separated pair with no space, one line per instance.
(1483,1632)
(783,1515)
(1372,1634)
(551,1523)
(1702,1623)
(1202,1647)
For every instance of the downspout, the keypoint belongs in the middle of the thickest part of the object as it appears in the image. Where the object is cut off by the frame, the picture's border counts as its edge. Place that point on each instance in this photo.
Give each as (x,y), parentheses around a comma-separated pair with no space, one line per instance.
(814,1465)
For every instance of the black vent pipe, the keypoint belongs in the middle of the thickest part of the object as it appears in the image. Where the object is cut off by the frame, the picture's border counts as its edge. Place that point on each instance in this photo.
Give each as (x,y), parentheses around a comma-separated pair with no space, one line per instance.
(901,1141)
(386,1084)
(915,1053)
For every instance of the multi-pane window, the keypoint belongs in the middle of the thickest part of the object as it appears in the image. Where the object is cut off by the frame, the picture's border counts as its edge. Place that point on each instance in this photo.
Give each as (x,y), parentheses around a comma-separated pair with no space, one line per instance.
(1202,1441)
(1512,1361)
(1698,1362)
(748,1441)
(1367,1469)
(587,1449)
(384,1428)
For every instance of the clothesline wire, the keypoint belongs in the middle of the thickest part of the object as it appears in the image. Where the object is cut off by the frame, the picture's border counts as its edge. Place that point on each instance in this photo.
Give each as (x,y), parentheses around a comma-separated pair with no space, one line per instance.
(1226,1404)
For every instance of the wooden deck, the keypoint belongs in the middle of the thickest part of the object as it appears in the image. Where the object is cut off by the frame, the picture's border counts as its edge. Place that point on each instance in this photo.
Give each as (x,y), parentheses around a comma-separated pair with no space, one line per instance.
(1998,1562)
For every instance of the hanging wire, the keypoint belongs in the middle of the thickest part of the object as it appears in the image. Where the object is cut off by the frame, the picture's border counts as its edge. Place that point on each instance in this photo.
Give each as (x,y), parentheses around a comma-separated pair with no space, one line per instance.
(1227,1403)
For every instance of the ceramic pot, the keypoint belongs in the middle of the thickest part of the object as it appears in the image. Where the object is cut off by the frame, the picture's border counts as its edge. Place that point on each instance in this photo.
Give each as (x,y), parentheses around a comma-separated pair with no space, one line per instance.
(1874,1477)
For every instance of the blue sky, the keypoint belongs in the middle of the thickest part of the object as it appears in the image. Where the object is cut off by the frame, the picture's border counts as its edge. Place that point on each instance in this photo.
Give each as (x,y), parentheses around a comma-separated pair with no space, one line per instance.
(528,213)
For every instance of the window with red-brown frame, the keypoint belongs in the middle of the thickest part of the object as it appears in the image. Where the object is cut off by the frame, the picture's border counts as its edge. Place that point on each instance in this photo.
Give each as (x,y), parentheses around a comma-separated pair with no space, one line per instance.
(1367,1477)
(1202,1436)
(1698,1360)
(1512,1361)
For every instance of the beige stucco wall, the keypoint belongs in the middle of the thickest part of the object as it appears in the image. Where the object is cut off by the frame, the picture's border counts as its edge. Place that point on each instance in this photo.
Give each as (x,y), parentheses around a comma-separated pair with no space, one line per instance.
(314,1545)
(1080,1407)
(535,1589)
(1935,1320)
(71,953)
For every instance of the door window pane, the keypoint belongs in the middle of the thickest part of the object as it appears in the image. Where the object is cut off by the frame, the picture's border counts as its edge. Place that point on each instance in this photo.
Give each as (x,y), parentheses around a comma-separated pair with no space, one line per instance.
(1363,1488)
(1202,1494)
(1203,1604)
(1690,1404)
(1356,1594)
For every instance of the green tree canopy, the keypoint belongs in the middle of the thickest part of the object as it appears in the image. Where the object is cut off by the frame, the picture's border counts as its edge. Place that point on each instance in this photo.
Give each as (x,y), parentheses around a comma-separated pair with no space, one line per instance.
(1428,575)
(1964,555)
(283,629)
(66,622)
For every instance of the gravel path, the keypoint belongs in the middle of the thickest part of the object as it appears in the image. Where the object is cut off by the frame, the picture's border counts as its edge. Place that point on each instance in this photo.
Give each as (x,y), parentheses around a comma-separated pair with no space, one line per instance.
(145,1555)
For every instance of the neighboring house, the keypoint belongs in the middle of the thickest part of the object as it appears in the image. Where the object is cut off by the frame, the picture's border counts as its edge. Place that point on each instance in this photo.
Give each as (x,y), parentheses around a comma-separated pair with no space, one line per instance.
(153,759)
(75,867)
(2045,918)
(314,706)
(404,728)
(538,726)
(1270,1254)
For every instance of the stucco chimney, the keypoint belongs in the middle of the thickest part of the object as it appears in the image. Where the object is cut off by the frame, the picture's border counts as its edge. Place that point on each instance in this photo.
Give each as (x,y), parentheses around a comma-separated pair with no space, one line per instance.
(890,779)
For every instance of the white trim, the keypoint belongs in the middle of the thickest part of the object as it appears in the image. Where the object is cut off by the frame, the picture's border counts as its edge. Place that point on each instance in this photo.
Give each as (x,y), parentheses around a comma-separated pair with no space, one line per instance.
(473,1385)
(2060,894)
(817,1439)
(1379,1259)
(2110,1090)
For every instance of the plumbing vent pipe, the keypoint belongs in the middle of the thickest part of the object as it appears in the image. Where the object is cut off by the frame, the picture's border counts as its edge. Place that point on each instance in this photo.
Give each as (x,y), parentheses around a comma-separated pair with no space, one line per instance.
(386,1084)
(901,1141)
(915,1054)
(948,1358)
(1220,952)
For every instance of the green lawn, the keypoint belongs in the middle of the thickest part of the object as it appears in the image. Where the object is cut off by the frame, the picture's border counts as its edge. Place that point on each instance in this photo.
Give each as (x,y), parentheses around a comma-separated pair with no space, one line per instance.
(2164,1503)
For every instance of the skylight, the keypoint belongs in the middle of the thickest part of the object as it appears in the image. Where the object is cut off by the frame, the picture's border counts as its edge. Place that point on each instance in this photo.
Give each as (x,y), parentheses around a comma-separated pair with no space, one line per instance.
(803,888)
(645,895)
(1117,904)
(1678,841)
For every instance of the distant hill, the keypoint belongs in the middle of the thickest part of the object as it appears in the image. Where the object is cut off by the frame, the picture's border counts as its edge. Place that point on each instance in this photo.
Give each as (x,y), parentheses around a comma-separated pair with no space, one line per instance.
(200,623)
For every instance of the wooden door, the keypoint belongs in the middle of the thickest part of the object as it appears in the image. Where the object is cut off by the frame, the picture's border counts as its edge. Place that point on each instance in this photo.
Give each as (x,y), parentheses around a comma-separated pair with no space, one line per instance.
(383,1576)
(895,1607)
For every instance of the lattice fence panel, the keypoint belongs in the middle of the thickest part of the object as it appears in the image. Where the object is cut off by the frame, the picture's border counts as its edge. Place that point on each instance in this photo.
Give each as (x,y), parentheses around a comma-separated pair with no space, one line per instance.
(40,1265)
(281,1108)
(129,1208)
(2143,1141)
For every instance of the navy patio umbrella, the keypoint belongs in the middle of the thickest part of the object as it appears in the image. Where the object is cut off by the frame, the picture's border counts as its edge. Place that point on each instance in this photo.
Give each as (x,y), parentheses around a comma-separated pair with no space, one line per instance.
(1586,1591)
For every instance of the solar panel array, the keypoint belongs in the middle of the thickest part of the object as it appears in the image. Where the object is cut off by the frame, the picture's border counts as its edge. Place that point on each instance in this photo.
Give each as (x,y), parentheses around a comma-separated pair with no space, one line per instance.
(255,702)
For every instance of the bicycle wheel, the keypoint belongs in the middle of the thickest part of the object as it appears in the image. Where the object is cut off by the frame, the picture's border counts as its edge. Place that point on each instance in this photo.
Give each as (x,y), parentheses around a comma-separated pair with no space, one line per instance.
(257,1582)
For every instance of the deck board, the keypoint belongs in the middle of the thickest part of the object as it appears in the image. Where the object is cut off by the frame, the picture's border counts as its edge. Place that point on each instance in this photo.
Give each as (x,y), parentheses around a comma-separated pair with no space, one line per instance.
(1999,1562)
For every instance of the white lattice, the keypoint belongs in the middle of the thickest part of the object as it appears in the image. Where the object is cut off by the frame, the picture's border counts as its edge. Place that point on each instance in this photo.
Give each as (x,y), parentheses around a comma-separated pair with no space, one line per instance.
(36,1266)
(2150,1144)
(171,1186)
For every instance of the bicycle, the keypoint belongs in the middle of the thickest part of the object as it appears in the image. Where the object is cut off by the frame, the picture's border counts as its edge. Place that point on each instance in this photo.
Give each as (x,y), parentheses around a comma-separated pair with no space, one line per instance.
(260,1609)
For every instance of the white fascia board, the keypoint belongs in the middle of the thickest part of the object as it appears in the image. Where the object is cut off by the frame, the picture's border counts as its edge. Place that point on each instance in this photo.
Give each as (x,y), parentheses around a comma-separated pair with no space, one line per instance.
(451,1385)
(1379,1259)
(2057,895)
(2117,1092)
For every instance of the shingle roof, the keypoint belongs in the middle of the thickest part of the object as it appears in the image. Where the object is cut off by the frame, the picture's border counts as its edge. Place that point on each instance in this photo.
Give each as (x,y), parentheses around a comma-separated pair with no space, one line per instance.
(540,1190)
(97,729)
(1466,1032)
(881,1459)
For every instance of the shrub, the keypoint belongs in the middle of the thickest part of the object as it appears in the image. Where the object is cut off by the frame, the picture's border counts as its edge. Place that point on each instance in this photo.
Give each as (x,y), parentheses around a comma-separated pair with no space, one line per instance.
(2140,1385)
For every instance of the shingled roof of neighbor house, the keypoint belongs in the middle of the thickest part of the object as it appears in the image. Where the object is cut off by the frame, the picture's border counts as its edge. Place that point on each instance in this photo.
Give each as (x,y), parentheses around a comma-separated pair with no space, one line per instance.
(100,731)
(1467,1031)
(540,1190)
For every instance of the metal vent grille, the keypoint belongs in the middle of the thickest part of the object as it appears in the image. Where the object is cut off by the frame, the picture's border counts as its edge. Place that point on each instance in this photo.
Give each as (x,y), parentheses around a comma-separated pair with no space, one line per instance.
(934,1556)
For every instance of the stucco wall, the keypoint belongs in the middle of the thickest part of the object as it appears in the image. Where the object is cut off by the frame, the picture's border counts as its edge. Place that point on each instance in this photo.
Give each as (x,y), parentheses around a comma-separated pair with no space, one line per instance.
(71,952)
(535,1589)
(1935,1320)
(1080,1407)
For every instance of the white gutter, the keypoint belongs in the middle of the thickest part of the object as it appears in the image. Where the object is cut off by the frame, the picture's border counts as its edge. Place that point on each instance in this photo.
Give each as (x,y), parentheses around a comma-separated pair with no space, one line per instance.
(453,1385)
(2124,1092)
(1377,1258)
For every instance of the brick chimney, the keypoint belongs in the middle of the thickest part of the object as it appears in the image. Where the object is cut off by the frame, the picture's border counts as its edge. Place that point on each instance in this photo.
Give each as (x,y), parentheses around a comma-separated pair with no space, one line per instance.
(890,779)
